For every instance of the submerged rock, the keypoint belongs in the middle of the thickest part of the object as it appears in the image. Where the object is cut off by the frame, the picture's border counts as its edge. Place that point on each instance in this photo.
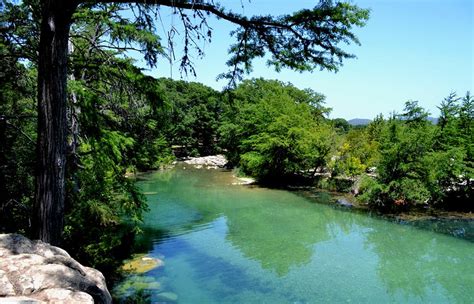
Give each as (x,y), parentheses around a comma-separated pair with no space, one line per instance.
(167,297)
(36,272)
(142,263)
(136,283)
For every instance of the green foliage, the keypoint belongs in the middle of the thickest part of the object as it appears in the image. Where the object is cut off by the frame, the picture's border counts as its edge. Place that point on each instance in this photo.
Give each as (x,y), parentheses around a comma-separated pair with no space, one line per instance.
(101,194)
(19,33)
(341,125)
(117,123)
(152,154)
(114,128)
(113,115)
(453,155)
(306,40)
(17,119)
(424,164)
(346,163)
(121,120)
(404,146)
(107,27)
(192,116)
(17,143)
(274,130)
(358,151)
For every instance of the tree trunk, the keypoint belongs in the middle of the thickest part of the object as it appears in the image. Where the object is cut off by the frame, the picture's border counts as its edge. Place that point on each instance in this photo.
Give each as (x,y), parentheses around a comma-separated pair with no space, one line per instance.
(52,123)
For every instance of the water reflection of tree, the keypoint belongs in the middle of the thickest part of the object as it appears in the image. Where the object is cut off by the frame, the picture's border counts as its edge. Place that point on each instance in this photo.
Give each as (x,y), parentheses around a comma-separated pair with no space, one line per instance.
(418,264)
(272,240)
(151,181)
(282,235)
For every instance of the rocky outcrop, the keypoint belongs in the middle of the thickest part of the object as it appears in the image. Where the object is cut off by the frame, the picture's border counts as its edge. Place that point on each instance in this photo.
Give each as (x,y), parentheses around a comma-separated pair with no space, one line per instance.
(36,272)
(212,160)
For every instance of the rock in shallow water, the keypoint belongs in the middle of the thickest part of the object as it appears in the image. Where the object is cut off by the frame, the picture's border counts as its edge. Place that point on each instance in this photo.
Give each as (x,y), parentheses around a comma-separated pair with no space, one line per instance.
(344,203)
(142,263)
(36,272)
(210,161)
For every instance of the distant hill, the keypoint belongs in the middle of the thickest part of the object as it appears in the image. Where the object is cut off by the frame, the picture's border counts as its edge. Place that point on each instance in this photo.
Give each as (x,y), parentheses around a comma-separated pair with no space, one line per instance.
(359,121)
(365,121)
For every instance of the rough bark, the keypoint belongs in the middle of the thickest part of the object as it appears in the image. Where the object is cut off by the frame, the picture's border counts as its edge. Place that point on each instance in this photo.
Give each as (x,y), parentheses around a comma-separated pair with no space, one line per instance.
(52,123)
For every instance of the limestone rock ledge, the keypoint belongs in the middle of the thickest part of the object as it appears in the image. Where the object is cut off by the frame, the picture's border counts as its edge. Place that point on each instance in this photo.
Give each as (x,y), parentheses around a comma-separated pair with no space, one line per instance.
(36,272)
(217,161)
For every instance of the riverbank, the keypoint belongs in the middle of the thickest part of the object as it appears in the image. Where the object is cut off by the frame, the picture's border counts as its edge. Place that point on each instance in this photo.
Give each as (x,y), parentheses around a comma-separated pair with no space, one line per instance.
(453,223)
(344,188)
(348,190)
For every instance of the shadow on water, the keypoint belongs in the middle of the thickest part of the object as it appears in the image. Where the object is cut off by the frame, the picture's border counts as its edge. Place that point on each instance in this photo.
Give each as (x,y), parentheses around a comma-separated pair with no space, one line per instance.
(460,228)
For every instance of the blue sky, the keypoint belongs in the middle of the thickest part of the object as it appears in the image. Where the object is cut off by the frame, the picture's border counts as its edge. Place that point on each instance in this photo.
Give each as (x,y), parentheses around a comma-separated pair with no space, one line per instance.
(411,50)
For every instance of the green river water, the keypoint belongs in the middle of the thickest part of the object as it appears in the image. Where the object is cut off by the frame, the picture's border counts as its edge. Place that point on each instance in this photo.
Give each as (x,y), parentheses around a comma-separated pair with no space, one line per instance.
(227,243)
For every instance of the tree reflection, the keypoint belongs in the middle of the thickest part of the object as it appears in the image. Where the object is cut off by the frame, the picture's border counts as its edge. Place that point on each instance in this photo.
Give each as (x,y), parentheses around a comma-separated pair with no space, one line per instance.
(419,264)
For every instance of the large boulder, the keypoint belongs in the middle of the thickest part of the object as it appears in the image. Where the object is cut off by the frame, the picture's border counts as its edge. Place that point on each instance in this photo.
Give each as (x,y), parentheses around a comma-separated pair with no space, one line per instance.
(36,272)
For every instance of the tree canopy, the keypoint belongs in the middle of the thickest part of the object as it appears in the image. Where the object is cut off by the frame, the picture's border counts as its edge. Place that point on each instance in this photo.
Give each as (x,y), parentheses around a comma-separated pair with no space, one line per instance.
(274,130)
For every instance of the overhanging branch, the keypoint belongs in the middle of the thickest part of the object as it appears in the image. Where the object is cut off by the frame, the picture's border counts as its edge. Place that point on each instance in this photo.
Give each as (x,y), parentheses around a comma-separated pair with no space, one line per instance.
(200,6)
(303,41)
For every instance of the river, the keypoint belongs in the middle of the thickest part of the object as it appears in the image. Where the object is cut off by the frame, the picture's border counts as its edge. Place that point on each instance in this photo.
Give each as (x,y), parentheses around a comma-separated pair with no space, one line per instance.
(227,243)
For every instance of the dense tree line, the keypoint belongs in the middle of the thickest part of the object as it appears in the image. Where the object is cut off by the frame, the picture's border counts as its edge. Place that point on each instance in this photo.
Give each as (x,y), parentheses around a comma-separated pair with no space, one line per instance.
(274,131)
(191,118)
(417,163)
